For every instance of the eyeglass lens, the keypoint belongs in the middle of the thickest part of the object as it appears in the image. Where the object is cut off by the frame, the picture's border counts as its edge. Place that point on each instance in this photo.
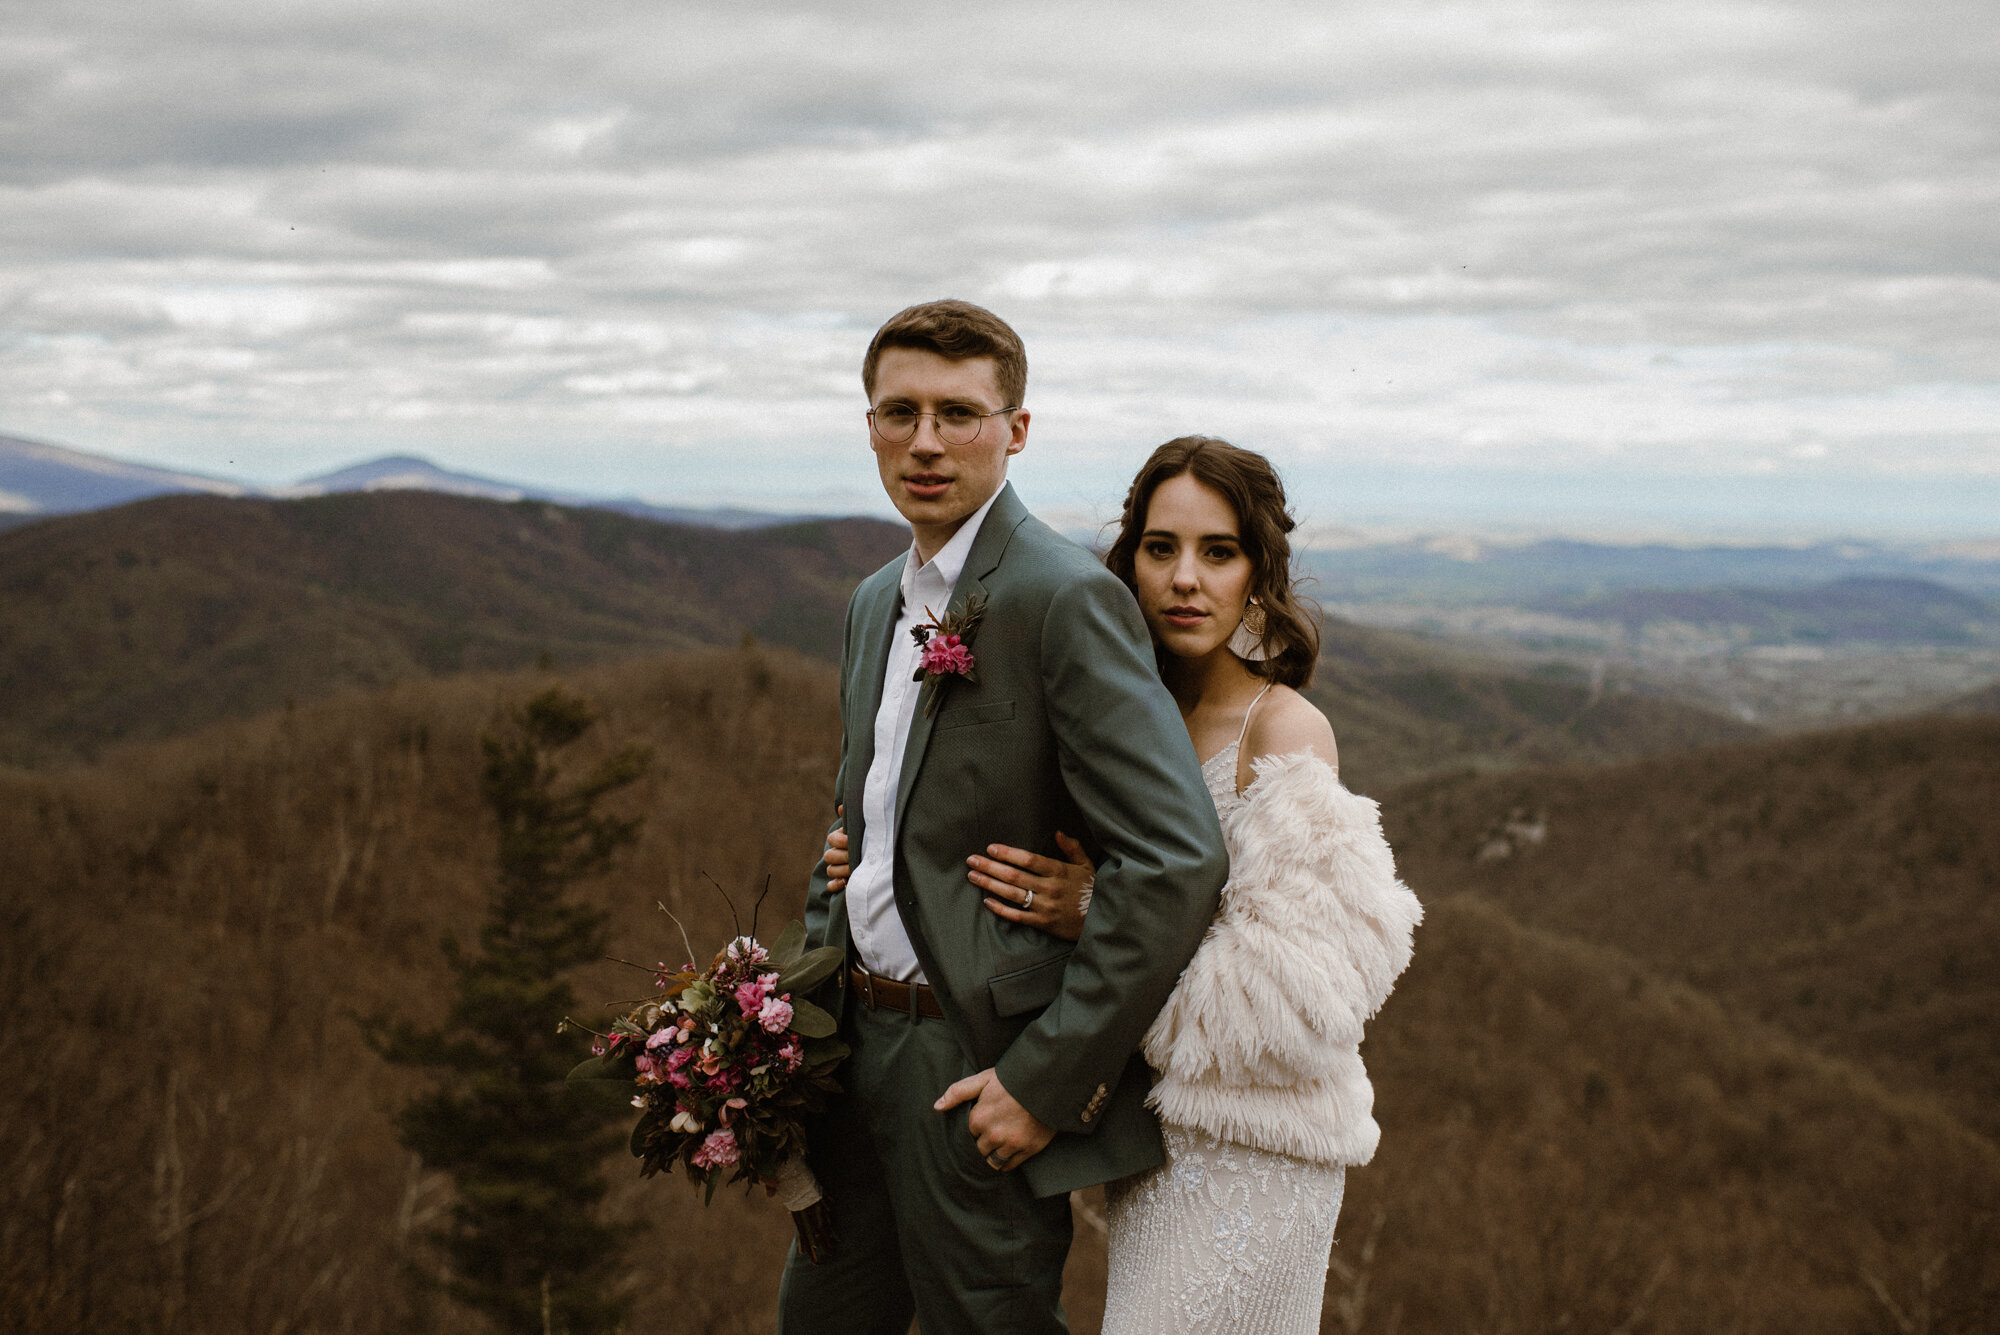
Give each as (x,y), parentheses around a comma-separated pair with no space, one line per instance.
(955,425)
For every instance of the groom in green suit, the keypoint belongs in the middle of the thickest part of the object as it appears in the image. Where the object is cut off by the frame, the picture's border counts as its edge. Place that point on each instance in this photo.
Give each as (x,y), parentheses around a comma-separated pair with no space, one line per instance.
(995,1067)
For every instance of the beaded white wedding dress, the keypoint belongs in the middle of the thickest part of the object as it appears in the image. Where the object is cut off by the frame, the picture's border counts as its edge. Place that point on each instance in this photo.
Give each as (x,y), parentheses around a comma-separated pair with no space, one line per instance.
(1222,1237)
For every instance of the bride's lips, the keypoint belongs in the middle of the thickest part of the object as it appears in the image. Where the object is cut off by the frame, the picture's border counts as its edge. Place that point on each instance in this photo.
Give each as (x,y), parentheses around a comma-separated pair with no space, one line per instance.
(927,486)
(1184,617)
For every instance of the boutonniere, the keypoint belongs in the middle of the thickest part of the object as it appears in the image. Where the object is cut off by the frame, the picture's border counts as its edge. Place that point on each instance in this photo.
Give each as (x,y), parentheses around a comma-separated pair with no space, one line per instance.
(944,648)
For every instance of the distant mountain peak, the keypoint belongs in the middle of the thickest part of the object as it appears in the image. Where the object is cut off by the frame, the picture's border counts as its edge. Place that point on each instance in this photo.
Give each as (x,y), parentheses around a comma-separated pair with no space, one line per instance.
(405,472)
(38,478)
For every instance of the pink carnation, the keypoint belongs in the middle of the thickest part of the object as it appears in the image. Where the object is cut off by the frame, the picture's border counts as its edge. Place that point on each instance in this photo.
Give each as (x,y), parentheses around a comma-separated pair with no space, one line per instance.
(775,1014)
(718,1151)
(945,655)
(750,996)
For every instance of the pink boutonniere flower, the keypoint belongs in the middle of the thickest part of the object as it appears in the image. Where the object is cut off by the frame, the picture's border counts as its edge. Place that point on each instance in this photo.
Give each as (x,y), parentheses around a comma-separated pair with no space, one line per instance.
(944,648)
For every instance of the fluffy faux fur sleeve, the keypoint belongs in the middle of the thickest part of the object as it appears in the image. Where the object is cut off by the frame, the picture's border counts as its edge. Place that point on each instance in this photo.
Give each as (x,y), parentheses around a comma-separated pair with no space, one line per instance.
(1263,1029)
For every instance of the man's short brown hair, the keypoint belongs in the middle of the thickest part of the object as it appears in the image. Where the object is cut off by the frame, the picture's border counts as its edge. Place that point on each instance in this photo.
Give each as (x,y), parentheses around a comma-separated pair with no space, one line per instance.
(957,331)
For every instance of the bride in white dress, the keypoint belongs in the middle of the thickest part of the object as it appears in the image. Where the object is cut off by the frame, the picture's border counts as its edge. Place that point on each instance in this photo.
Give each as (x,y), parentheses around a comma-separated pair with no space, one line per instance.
(1259,1086)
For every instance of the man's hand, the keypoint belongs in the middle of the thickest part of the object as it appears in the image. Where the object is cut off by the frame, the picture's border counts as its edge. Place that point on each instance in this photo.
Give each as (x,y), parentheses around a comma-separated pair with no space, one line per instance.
(835,856)
(1006,1134)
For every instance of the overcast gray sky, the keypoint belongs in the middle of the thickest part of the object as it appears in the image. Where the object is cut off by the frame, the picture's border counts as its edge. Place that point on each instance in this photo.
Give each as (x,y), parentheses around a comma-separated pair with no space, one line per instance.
(1599,249)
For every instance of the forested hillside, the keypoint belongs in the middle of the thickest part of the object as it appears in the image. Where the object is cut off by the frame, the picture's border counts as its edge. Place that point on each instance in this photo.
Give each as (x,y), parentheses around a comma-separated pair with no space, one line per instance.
(198,1140)
(155,618)
(1843,886)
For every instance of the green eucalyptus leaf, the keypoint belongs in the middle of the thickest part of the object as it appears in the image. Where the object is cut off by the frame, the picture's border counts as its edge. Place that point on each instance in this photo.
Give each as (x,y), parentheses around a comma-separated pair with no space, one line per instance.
(791,943)
(595,1068)
(608,1095)
(809,971)
(809,1021)
(641,1132)
(818,1050)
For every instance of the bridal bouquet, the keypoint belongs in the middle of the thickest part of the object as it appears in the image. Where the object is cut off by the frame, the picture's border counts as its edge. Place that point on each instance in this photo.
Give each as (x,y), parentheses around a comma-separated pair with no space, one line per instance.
(728,1062)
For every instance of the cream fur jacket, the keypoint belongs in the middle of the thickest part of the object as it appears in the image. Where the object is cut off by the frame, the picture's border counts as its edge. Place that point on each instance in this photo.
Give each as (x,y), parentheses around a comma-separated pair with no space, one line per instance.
(1260,1040)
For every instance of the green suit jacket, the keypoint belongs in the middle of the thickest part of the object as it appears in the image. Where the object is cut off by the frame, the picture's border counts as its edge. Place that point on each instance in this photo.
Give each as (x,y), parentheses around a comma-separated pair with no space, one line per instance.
(1068,727)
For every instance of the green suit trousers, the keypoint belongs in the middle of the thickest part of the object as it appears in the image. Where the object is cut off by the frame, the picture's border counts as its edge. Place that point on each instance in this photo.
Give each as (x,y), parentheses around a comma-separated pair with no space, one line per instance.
(985,1255)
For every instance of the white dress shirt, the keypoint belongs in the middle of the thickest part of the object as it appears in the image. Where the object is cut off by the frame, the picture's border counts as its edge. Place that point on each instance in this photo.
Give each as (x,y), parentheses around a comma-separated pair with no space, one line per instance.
(879,936)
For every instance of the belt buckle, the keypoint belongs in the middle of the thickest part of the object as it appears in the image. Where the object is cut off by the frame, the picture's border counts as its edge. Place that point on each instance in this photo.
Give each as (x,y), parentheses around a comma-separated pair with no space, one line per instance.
(868,989)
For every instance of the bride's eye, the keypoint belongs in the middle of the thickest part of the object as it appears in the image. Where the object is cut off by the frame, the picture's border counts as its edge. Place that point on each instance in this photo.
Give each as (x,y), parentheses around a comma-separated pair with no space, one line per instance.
(1159,550)
(1222,552)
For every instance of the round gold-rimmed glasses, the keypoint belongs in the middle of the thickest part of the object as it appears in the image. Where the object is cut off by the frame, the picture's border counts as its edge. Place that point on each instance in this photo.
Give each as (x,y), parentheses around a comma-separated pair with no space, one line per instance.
(955,423)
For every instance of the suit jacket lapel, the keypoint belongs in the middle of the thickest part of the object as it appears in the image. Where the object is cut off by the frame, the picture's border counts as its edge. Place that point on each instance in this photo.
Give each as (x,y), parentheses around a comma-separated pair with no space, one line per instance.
(984,558)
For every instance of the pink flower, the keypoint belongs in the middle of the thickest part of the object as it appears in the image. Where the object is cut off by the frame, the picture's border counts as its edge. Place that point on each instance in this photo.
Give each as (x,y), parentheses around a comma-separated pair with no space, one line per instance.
(792,1053)
(946,655)
(775,1014)
(717,1151)
(750,995)
(659,1038)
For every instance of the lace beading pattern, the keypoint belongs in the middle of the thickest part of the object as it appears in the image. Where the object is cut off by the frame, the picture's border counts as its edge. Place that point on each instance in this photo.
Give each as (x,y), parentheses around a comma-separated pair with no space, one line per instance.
(1222,1237)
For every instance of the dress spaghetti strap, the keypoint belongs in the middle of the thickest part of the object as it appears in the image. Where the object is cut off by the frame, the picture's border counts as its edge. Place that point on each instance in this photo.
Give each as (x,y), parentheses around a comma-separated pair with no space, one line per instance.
(1244,731)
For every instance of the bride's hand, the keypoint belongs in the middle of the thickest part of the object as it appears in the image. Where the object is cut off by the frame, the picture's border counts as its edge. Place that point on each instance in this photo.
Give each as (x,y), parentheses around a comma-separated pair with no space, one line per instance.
(835,858)
(1036,891)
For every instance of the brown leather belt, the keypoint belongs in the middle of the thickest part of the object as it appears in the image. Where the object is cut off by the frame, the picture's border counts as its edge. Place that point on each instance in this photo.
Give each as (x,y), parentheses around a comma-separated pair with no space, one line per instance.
(878,993)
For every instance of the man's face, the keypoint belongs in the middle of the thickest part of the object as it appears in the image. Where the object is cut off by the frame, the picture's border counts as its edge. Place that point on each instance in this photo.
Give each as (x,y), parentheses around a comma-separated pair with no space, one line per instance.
(937,485)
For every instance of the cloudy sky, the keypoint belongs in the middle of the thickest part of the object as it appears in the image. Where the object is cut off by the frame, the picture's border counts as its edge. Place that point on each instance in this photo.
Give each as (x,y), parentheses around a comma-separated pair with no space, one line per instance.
(1558,264)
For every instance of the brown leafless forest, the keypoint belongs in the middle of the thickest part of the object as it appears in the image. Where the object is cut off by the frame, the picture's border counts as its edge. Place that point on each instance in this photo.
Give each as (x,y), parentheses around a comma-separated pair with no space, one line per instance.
(195,1140)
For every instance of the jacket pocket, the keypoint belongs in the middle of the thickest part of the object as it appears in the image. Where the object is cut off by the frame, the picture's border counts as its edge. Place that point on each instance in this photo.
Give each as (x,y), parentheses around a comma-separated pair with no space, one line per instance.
(1027,989)
(999,711)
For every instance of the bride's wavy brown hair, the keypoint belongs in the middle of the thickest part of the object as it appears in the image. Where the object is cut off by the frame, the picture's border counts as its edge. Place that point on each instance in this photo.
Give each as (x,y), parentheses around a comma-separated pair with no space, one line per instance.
(1250,485)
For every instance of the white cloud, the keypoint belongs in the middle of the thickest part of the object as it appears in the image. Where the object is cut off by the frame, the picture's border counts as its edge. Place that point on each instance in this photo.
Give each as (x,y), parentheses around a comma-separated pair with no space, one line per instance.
(1547,236)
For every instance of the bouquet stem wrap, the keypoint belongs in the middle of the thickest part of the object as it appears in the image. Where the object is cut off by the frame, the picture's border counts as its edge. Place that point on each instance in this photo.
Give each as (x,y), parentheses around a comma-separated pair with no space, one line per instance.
(812,1218)
(796,1186)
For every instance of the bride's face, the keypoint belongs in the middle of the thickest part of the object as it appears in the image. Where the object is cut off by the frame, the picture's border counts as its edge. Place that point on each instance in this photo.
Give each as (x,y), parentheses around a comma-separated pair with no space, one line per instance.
(1192,573)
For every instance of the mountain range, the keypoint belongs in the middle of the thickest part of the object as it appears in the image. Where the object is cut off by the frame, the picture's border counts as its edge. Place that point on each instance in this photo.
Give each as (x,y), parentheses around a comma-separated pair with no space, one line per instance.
(38,479)
(1458,571)
(1856,609)
(158,617)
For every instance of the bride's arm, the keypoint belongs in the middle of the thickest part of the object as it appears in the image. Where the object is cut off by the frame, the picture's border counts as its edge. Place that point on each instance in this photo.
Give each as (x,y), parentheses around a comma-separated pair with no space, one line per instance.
(1314,928)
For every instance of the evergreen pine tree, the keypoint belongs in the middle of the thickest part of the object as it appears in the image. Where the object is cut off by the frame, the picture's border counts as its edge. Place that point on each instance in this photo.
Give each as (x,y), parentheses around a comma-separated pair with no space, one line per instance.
(523,1243)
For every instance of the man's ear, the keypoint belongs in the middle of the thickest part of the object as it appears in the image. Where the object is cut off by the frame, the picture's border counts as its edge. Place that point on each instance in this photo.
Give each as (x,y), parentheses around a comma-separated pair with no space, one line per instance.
(1017,440)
